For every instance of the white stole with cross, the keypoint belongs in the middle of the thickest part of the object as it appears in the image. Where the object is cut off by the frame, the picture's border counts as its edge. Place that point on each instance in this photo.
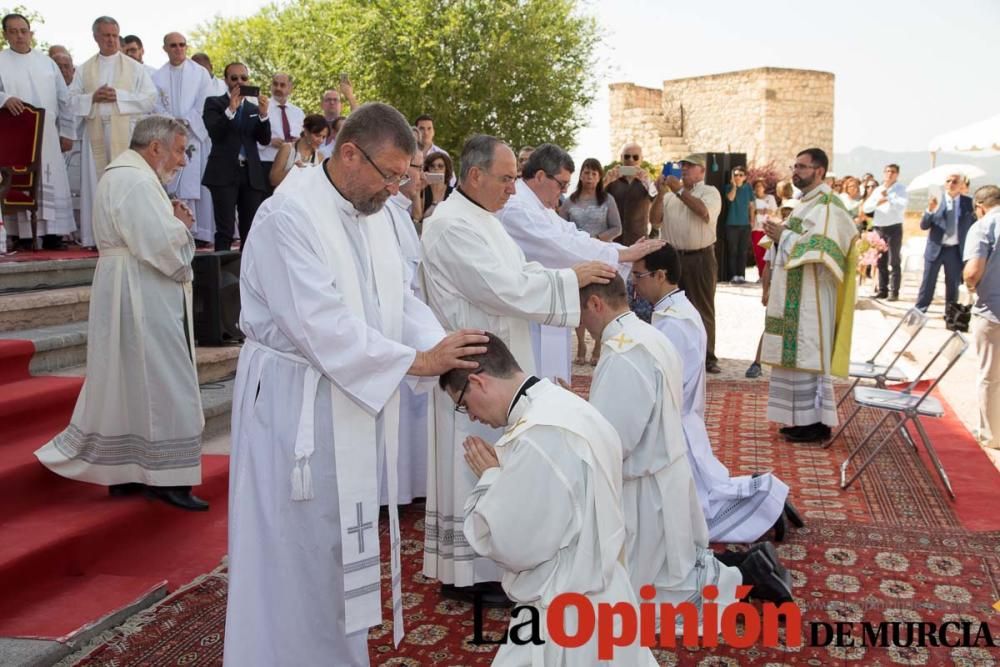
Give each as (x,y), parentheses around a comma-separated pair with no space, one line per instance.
(354,427)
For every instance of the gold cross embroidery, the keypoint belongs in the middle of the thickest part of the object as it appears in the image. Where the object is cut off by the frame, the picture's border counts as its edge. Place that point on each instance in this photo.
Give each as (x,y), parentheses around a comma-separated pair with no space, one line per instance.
(621,340)
(520,422)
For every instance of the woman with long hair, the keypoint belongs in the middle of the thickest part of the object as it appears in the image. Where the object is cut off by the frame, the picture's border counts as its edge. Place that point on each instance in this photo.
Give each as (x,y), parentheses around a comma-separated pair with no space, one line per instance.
(438,187)
(594,211)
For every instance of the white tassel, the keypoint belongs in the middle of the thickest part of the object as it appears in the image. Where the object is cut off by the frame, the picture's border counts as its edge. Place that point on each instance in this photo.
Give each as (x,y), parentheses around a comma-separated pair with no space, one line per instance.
(307,481)
(297,483)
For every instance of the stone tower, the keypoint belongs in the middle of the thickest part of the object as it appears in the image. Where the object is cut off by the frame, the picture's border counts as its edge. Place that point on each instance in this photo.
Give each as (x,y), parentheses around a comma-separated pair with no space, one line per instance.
(769,113)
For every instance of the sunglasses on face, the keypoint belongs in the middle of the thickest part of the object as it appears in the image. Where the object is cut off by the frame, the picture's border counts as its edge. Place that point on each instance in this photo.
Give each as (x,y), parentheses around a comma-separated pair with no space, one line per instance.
(627,156)
(235,77)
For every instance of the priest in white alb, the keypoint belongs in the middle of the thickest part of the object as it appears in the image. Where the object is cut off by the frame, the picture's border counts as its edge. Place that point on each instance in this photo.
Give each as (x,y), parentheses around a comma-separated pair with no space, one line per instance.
(737,509)
(138,420)
(29,76)
(810,308)
(332,329)
(182,86)
(414,407)
(475,275)
(531,220)
(558,467)
(637,386)
(110,94)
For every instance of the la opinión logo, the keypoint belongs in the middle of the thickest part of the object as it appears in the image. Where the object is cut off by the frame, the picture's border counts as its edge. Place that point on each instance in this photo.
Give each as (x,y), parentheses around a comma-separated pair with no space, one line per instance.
(740,625)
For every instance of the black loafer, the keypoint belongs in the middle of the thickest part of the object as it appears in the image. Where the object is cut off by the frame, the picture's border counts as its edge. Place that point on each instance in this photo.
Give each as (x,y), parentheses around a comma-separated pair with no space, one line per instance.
(793,515)
(178,496)
(769,578)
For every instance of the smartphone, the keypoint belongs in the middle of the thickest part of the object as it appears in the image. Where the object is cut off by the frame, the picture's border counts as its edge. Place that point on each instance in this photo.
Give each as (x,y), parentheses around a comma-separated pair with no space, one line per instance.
(344,78)
(433,178)
(671,169)
(249,91)
(627,170)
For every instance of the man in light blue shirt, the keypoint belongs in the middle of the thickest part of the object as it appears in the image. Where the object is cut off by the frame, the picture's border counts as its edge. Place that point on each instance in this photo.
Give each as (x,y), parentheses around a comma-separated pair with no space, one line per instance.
(982,275)
(888,203)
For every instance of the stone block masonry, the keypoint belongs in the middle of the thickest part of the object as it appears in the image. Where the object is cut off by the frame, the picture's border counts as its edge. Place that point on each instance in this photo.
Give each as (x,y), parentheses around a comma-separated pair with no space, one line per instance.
(769,113)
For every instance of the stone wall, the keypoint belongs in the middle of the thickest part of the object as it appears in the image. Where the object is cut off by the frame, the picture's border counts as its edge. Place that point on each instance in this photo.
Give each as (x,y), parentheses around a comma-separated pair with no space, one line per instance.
(768,113)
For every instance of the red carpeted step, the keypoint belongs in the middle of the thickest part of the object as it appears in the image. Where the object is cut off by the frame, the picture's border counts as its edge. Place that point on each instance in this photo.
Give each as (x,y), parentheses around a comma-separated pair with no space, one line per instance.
(82,532)
(36,407)
(53,609)
(15,355)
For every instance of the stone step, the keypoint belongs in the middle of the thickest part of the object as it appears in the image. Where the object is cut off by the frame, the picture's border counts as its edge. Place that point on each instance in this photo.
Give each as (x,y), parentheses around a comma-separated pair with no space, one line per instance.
(62,350)
(42,308)
(16,276)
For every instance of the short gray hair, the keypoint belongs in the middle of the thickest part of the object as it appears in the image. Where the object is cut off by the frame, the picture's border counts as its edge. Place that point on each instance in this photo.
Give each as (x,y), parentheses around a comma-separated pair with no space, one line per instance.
(156,128)
(549,159)
(103,20)
(987,196)
(479,151)
(373,125)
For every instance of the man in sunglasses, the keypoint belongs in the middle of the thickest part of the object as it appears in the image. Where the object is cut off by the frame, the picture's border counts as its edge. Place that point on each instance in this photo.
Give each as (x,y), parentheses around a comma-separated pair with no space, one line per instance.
(234,175)
(948,221)
(633,192)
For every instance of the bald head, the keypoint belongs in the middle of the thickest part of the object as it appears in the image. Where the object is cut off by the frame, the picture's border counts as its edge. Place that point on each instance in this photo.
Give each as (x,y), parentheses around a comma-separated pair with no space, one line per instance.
(175,46)
(58,48)
(631,155)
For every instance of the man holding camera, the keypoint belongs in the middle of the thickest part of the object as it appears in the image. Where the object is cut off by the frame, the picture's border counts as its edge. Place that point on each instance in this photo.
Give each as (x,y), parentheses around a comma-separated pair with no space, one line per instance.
(630,186)
(686,220)
(234,174)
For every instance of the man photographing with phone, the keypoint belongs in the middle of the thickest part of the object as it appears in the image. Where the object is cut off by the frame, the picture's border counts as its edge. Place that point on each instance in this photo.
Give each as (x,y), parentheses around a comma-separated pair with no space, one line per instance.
(237,124)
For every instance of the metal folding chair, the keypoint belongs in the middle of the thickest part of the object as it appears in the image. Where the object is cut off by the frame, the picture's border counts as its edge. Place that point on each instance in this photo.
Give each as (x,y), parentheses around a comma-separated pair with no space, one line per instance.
(907,405)
(909,326)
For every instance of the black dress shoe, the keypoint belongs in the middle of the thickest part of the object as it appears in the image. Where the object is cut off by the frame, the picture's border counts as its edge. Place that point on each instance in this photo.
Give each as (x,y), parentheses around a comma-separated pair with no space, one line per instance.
(880,295)
(770,580)
(127,489)
(491,595)
(793,515)
(779,528)
(811,433)
(53,242)
(178,496)
(459,593)
(712,367)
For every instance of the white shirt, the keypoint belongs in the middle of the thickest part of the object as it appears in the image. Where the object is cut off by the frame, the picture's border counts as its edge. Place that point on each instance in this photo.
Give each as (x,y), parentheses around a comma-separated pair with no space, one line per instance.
(952,206)
(295,118)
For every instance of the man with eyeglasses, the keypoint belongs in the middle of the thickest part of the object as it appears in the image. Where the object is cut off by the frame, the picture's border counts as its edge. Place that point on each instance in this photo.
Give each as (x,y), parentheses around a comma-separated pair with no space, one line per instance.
(888,204)
(28,76)
(182,88)
(531,220)
(109,95)
(948,221)
(332,330)
(633,192)
(234,174)
(132,47)
(687,221)
(810,308)
(476,276)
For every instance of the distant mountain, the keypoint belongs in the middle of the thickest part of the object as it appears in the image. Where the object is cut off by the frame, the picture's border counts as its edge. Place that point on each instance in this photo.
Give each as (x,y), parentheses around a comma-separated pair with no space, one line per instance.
(912,163)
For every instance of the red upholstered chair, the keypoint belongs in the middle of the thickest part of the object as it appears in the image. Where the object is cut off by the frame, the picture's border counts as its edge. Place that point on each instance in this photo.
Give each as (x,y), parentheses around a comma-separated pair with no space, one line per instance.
(21,152)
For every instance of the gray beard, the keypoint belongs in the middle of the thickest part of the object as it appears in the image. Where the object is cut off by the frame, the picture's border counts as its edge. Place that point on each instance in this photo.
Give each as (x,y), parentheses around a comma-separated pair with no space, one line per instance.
(371,205)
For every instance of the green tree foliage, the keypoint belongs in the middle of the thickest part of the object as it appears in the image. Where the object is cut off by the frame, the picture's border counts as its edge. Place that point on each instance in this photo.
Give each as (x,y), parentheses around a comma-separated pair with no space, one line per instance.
(523,70)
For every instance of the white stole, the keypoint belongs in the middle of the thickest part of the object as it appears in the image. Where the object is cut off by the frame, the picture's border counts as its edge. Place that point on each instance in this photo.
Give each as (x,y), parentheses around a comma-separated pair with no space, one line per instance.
(354,427)
(121,125)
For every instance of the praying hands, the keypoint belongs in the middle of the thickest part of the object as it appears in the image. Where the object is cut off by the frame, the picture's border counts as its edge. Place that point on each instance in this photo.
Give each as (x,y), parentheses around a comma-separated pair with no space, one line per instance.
(480,455)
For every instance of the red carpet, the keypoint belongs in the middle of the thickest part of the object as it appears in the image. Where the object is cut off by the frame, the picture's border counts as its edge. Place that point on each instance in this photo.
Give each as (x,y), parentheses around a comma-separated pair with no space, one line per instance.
(70,554)
(883,550)
(74,252)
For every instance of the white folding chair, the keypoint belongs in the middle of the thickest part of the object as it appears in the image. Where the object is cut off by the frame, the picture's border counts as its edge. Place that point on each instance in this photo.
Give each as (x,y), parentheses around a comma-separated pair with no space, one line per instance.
(907,405)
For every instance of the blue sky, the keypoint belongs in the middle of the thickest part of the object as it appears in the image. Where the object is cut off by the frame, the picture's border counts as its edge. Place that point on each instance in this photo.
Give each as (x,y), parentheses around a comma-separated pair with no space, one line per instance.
(905,71)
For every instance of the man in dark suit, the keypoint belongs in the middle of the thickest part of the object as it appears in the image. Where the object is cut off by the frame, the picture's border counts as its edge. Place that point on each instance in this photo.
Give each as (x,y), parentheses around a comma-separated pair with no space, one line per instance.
(234,174)
(948,222)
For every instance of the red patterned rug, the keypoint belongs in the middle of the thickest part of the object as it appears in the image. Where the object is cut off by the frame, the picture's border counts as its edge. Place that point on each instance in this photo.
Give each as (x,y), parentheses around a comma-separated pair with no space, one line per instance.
(887,549)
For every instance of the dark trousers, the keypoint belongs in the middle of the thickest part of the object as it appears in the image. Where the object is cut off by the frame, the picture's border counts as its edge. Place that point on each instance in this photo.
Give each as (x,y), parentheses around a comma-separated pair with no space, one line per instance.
(266,168)
(230,202)
(893,236)
(698,272)
(951,257)
(737,243)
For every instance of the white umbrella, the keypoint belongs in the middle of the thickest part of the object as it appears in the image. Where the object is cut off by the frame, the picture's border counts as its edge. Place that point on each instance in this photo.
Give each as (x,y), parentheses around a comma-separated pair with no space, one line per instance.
(936,176)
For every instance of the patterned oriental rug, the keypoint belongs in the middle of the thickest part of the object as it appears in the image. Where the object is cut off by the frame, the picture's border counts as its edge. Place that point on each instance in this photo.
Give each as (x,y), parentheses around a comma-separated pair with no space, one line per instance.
(890,548)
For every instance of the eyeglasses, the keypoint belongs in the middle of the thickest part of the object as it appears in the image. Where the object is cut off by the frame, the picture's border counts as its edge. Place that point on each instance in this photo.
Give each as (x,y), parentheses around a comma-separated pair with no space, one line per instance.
(459,406)
(236,77)
(174,45)
(398,181)
(418,166)
(739,174)
(562,186)
(638,276)
(627,156)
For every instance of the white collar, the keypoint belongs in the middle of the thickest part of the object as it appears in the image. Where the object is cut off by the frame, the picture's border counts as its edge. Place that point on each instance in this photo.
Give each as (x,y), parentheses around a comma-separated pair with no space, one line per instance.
(668,298)
(616,325)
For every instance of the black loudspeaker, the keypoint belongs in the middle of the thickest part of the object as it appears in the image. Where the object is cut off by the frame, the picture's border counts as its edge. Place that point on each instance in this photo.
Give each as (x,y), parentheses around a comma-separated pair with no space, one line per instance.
(718,168)
(216,303)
